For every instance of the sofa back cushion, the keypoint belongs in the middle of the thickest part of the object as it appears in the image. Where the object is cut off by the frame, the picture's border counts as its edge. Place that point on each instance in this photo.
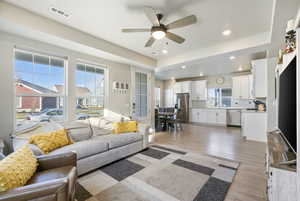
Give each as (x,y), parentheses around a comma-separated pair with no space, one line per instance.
(79,130)
(101,125)
(48,142)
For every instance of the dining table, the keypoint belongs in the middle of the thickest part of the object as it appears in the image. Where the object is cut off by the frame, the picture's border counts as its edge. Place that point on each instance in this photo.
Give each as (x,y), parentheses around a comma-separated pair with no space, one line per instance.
(162,118)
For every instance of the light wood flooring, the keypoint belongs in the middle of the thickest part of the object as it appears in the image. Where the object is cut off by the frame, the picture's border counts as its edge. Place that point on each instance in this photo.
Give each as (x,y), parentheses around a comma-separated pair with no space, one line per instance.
(250,181)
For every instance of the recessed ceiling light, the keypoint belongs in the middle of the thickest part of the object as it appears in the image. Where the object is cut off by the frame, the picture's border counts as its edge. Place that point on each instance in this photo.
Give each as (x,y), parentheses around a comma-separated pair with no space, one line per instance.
(232,57)
(183,67)
(226,32)
(165,51)
(240,68)
(201,74)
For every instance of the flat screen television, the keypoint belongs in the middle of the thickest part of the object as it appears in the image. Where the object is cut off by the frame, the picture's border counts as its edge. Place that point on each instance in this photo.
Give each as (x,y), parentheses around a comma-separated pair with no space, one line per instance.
(287,117)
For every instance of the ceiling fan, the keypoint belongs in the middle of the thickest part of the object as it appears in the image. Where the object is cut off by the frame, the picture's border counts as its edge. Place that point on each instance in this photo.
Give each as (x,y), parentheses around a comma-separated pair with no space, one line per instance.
(159,30)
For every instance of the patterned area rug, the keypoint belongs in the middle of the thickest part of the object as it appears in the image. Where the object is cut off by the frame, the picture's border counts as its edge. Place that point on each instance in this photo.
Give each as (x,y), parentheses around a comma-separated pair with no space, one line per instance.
(160,174)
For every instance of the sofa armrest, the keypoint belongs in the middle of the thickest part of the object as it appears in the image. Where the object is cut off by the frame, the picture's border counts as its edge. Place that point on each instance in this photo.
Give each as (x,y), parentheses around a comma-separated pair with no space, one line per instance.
(47,190)
(58,160)
(144,130)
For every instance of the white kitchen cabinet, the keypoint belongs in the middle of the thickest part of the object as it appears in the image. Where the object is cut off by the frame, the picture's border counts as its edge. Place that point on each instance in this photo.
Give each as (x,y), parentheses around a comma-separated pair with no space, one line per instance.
(182,87)
(186,87)
(241,87)
(260,80)
(254,125)
(199,90)
(194,117)
(222,117)
(209,116)
(177,87)
(198,115)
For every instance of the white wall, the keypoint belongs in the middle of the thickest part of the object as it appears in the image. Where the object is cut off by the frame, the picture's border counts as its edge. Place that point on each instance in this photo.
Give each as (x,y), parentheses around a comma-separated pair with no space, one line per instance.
(46,29)
(160,84)
(116,71)
(271,106)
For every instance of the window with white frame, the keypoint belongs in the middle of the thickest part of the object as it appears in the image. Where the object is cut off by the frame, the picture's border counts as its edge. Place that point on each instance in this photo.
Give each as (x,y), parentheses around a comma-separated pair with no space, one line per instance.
(170,97)
(90,90)
(39,88)
(141,95)
(157,97)
(219,97)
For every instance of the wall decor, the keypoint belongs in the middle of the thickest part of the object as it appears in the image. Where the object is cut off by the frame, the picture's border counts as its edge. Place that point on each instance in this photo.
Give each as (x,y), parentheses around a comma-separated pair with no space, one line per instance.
(120,87)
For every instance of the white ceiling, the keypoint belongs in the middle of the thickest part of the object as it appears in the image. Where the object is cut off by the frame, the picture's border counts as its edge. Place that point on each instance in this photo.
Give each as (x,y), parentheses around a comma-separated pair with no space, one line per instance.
(253,23)
(104,19)
(217,65)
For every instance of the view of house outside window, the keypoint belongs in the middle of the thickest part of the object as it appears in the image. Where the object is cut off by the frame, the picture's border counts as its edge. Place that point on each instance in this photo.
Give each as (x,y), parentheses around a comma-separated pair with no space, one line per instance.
(37,82)
(90,87)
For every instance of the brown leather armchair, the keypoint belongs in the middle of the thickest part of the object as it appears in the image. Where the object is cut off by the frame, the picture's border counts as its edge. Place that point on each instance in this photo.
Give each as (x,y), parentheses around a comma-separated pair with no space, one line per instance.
(54,180)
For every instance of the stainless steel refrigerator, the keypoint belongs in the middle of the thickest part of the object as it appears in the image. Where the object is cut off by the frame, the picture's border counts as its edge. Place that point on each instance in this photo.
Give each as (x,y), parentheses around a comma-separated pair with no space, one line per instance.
(182,102)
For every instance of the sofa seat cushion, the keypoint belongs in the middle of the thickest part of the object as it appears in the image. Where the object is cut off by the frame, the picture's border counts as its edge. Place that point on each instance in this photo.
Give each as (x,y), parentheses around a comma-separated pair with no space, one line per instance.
(115,141)
(51,174)
(84,148)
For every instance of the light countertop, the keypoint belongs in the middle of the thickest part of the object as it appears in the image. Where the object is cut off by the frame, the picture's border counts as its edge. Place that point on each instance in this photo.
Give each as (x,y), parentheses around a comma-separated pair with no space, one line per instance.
(254,111)
(221,108)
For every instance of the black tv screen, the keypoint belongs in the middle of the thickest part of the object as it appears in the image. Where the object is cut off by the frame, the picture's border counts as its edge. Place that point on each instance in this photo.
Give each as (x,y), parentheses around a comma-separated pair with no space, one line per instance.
(287,117)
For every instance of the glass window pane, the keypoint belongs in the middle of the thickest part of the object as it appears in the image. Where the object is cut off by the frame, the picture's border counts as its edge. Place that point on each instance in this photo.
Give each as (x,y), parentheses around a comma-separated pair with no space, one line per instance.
(57,62)
(41,60)
(22,56)
(81,67)
(141,94)
(89,91)
(39,86)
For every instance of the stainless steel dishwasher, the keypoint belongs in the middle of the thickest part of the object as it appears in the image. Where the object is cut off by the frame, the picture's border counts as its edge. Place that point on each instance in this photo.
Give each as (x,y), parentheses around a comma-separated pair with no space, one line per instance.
(234,117)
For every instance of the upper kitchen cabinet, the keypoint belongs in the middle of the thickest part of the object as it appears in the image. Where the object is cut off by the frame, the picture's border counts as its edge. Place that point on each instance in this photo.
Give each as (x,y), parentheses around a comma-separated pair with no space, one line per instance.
(182,87)
(199,90)
(259,70)
(242,87)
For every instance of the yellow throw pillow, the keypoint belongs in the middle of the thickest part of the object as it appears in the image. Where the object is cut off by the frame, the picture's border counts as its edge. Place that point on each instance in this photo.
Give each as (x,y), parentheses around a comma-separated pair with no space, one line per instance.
(48,142)
(125,127)
(17,168)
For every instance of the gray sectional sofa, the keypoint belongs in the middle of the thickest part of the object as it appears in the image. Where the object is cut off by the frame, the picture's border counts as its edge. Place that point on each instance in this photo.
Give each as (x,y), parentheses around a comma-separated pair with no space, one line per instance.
(95,144)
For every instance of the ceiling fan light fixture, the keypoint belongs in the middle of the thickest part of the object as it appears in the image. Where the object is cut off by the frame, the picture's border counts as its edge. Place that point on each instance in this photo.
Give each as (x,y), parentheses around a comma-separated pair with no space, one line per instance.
(158,34)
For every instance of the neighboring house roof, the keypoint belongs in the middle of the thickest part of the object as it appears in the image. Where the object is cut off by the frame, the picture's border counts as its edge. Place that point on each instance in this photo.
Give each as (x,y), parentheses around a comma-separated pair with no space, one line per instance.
(80,91)
(39,89)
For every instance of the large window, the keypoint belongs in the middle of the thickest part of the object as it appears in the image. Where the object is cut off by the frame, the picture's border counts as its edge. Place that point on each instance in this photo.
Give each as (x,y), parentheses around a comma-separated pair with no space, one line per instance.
(157,97)
(170,98)
(219,97)
(141,95)
(90,82)
(40,88)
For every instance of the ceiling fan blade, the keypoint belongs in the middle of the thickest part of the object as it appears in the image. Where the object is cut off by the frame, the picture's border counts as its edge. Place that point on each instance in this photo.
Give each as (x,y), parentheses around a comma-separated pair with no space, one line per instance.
(175,38)
(151,16)
(133,30)
(186,21)
(150,42)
